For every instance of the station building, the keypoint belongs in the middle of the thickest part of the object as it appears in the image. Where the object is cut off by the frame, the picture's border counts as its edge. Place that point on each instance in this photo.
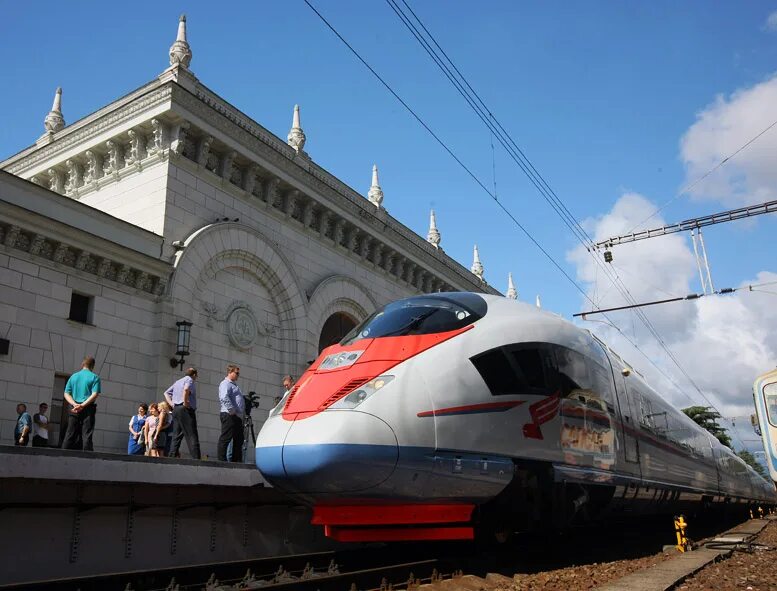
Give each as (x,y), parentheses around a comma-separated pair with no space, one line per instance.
(170,206)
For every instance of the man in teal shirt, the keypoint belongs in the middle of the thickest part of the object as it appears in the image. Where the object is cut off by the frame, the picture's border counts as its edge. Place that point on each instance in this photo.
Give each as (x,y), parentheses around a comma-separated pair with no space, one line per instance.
(81,391)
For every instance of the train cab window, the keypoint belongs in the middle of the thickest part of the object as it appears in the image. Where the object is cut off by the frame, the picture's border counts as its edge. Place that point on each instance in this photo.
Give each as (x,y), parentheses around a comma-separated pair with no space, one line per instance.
(530,362)
(420,315)
(497,372)
(518,369)
(602,384)
(770,396)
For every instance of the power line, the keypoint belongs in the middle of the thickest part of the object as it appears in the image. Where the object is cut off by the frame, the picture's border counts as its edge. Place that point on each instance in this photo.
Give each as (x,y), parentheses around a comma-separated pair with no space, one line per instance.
(531,172)
(446,148)
(688,188)
(486,116)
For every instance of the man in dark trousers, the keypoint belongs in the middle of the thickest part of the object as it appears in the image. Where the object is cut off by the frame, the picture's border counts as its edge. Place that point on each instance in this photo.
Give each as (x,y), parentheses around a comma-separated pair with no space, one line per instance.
(81,392)
(232,409)
(182,396)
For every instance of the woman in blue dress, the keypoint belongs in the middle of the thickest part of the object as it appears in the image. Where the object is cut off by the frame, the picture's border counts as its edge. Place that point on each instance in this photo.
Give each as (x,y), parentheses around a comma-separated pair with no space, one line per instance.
(135,443)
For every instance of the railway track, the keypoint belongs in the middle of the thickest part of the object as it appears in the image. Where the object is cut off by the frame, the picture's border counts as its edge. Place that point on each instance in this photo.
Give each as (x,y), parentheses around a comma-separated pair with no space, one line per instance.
(401,567)
(366,569)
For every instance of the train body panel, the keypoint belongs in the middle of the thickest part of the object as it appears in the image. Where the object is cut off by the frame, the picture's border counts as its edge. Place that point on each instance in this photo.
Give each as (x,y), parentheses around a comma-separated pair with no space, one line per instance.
(765,398)
(467,400)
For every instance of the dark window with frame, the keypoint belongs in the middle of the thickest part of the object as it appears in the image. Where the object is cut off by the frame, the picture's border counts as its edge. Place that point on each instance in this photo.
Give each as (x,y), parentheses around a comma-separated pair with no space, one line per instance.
(497,372)
(80,308)
(573,372)
(518,369)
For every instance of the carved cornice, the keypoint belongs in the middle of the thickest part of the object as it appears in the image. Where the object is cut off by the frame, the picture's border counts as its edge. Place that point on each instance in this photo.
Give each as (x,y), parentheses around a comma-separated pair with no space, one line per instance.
(82,131)
(39,245)
(241,129)
(320,202)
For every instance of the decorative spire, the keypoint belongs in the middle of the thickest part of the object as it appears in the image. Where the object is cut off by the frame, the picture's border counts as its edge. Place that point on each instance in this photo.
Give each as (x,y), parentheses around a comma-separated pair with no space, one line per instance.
(180,52)
(296,137)
(538,302)
(512,293)
(375,194)
(477,266)
(433,237)
(54,121)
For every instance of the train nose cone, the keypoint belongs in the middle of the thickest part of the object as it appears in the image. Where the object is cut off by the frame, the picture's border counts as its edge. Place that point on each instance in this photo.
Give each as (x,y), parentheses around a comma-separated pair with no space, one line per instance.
(269,449)
(338,452)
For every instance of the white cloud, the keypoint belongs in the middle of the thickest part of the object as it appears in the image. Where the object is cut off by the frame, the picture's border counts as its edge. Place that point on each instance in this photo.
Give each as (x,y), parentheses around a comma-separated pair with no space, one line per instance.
(771,21)
(722,342)
(720,130)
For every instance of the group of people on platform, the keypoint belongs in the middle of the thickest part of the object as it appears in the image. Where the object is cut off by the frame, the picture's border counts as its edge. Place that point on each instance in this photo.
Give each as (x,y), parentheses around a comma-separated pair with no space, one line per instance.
(158,428)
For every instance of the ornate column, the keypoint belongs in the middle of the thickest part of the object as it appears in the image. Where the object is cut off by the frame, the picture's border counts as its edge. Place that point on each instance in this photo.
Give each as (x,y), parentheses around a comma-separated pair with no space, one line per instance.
(339,231)
(178,136)
(203,150)
(226,164)
(323,225)
(249,178)
(292,197)
(56,181)
(73,177)
(308,212)
(111,160)
(271,191)
(93,168)
(157,143)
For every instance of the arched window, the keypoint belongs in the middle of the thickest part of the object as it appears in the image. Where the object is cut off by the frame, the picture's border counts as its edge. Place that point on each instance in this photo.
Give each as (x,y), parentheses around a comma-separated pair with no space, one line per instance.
(335,328)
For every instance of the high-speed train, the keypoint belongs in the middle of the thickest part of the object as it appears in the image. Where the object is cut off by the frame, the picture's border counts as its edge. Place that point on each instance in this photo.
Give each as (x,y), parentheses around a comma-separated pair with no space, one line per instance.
(448,413)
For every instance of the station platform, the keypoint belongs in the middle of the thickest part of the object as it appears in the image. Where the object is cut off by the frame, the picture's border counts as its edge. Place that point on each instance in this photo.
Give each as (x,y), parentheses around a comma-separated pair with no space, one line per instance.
(72,514)
(48,463)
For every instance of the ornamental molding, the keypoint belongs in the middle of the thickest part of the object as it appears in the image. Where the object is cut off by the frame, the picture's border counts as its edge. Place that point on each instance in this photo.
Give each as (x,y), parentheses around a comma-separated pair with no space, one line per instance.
(241,129)
(84,130)
(322,204)
(242,326)
(39,245)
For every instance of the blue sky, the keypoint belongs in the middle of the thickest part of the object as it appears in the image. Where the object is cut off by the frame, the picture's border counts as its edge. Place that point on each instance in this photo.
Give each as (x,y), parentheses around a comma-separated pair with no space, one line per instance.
(598,94)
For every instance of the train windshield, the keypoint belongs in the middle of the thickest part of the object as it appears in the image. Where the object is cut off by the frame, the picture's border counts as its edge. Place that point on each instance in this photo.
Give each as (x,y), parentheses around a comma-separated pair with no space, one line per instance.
(420,315)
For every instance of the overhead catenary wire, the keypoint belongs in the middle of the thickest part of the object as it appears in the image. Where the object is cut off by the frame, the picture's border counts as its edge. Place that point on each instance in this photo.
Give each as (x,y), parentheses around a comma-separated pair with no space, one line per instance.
(688,188)
(447,149)
(531,172)
(544,189)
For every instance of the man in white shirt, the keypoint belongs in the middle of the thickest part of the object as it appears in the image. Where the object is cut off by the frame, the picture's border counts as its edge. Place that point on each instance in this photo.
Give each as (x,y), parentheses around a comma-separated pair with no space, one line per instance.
(40,427)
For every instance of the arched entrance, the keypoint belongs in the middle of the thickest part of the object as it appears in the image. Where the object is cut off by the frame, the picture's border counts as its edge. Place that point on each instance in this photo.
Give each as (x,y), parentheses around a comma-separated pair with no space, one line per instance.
(335,328)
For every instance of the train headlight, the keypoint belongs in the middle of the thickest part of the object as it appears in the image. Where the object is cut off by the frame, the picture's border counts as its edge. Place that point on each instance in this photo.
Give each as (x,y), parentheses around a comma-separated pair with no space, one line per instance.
(362,393)
(340,360)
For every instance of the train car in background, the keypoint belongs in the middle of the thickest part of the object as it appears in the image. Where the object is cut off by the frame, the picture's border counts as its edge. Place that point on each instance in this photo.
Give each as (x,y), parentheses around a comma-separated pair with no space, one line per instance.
(765,399)
(450,413)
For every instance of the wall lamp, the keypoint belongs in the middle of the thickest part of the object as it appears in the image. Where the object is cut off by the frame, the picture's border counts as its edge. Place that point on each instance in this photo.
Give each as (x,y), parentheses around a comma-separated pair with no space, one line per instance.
(182,346)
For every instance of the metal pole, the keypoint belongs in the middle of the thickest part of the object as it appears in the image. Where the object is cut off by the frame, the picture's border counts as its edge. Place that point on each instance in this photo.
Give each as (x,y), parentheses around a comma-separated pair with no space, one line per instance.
(698,262)
(706,262)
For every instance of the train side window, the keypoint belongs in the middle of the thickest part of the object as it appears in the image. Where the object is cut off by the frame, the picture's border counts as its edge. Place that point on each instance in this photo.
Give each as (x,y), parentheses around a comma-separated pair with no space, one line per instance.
(572,371)
(601,379)
(497,372)
(770,395)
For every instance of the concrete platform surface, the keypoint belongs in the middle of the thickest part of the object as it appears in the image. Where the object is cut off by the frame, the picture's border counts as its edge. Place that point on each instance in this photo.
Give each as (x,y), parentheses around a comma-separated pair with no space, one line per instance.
(66,465)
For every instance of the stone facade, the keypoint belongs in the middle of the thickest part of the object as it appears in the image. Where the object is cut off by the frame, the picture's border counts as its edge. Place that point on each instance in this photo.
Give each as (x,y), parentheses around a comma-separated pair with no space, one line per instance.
(170,204)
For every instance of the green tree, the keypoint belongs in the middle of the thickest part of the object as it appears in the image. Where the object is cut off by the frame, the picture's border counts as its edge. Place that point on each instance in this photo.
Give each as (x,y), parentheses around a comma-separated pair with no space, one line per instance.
(751,461)
(707,418)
